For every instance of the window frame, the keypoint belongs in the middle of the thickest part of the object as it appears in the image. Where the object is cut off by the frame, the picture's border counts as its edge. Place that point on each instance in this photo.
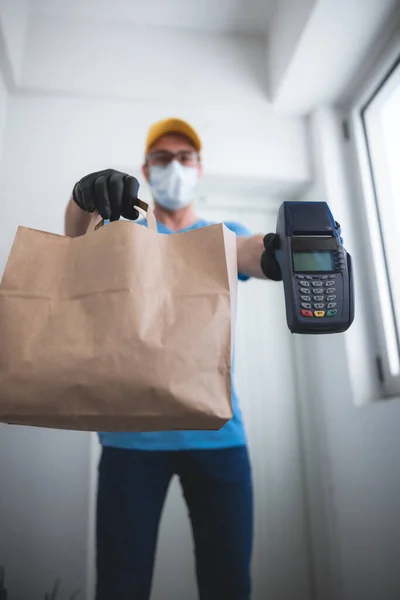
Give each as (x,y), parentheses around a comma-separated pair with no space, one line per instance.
(379,283)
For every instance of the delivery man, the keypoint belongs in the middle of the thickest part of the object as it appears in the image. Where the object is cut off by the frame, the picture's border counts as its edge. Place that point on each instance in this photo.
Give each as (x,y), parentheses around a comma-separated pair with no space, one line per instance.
(136,468)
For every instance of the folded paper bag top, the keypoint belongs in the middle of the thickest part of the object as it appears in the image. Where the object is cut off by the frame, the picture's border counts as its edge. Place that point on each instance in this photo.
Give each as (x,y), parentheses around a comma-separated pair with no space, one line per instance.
(122,329)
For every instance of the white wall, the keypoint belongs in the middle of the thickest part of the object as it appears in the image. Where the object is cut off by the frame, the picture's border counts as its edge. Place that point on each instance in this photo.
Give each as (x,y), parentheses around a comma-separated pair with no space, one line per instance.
(217,81)
(354,485)
(285,30)
(125,60)
(228,16)
(317,48)
(3,114)
(13,24)
(43,509)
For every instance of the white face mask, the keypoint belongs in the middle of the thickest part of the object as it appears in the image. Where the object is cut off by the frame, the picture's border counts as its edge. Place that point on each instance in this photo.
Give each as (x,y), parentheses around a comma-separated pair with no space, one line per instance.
(174,186)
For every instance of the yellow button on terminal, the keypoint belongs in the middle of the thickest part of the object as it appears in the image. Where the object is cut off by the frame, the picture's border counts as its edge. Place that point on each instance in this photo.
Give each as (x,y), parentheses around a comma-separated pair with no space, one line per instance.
(319,313)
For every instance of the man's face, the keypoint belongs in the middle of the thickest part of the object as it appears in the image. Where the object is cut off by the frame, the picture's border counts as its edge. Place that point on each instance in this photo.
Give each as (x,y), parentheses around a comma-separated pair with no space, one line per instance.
(172,143)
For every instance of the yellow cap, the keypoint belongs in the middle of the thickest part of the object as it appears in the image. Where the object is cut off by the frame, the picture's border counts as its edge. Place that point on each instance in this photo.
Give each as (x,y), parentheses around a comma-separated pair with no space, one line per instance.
(165,126)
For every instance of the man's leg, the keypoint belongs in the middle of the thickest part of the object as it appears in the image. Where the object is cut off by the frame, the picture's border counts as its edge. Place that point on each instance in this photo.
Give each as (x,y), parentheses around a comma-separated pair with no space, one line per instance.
(218,491)
(132,489)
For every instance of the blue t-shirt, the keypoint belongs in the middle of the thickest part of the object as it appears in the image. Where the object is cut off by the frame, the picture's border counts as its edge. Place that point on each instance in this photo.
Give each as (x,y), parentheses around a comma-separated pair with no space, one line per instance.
(232,434)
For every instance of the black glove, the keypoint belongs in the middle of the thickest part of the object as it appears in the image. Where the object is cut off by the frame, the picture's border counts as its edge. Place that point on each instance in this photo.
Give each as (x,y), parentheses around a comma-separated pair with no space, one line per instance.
(111,193)
(269,264)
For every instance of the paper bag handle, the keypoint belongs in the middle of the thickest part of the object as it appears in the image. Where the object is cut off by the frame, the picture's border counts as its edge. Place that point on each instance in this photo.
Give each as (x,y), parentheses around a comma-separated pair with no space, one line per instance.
(96,222)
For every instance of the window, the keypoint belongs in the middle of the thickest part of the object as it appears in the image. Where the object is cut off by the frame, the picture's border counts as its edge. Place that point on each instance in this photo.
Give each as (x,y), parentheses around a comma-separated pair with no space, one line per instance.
(380,126)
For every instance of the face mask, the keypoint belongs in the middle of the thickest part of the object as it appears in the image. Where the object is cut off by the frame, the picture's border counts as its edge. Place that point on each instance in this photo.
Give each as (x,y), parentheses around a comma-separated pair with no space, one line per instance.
(174,186)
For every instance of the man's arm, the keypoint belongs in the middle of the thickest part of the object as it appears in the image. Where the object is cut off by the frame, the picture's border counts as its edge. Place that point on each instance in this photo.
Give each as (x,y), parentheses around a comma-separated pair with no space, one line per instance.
(76,220)
(249,251)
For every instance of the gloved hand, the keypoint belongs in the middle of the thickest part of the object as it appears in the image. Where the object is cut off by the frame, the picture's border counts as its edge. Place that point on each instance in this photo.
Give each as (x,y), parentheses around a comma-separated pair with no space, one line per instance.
(110,192)
(269,264)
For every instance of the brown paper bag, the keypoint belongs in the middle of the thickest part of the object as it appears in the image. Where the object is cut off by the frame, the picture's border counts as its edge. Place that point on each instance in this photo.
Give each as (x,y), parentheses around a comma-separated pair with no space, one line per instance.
(123,329)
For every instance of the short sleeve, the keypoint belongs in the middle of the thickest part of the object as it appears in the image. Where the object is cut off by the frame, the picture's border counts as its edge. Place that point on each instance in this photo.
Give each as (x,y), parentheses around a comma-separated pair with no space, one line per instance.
(242,231)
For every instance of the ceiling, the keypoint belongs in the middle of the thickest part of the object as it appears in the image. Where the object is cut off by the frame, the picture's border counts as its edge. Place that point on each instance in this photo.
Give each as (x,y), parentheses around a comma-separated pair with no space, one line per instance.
(225,16)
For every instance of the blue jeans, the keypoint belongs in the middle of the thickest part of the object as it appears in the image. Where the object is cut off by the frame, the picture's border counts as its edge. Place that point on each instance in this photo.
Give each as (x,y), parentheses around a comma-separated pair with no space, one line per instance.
(132,489)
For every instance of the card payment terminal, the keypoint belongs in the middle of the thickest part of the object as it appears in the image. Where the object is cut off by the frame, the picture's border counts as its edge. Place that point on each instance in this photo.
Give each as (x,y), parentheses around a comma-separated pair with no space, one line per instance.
(316,269)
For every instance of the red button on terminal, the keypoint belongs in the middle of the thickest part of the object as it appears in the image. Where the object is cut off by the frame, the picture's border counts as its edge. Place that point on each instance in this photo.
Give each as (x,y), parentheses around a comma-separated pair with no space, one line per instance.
(306,313)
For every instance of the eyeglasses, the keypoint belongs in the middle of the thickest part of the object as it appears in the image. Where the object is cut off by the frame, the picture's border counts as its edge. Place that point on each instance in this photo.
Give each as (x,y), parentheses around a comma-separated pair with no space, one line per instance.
(162,158)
